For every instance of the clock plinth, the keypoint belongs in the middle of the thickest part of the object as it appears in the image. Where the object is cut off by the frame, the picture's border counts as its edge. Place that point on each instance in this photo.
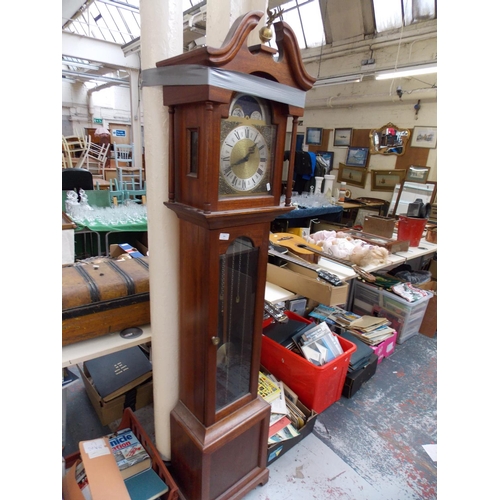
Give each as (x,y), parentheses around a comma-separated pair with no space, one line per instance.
(223,461)
(228,112)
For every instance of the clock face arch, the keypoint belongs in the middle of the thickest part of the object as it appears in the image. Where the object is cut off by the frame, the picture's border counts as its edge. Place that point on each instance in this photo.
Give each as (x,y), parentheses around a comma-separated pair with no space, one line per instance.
(247,142)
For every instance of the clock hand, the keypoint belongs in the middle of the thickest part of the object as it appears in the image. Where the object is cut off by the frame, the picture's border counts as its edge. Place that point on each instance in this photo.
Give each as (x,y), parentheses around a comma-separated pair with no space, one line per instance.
(251,150)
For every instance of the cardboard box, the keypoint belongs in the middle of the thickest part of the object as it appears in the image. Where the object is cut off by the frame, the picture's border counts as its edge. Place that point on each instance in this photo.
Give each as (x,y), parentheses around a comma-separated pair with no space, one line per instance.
(136,398)
(123,249)
(304,282)
(429,323)
(104,478)
(354,380)
(379,225)
(277,450)
(385,348)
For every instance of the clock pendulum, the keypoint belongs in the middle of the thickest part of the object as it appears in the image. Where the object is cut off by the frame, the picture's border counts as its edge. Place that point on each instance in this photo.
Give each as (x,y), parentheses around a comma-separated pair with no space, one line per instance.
(227,131)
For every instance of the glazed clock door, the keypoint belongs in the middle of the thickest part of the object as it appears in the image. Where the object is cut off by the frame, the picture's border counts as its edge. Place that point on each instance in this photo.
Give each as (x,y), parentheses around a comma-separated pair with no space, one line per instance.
(237,295)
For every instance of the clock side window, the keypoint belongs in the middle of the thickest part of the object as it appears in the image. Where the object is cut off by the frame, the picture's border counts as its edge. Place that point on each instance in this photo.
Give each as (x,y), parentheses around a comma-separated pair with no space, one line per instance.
(193,145)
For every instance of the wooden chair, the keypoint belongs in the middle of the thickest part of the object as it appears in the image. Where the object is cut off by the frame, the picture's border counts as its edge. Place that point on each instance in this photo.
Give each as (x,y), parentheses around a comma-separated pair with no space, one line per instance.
(116,195)
(76,148)
(129,176)
(95,160)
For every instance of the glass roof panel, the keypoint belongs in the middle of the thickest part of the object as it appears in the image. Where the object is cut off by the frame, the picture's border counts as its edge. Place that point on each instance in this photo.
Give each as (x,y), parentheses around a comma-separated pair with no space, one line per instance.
(390,14)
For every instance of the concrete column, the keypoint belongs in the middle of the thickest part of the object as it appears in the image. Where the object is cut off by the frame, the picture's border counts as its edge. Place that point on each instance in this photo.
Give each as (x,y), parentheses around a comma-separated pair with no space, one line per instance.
(161,38)
(222,14)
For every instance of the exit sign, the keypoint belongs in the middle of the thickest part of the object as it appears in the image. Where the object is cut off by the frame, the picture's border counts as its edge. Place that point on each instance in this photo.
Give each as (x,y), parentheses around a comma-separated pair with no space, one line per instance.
(98,120)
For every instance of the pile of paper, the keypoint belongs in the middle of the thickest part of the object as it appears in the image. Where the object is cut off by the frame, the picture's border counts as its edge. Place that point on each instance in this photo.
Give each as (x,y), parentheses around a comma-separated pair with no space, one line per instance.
(286,417)
(318,344)
(370,329)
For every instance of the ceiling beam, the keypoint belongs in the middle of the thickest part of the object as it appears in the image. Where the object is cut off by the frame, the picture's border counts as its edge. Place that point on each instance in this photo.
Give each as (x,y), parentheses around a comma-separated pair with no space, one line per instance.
(91,49)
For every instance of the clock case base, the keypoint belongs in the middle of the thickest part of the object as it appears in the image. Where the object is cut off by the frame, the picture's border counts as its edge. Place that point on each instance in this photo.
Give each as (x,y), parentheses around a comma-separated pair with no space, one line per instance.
(206,460)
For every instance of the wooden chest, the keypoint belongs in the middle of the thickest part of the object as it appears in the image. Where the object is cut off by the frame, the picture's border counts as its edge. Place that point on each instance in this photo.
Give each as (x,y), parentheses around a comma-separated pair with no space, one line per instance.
(104,296)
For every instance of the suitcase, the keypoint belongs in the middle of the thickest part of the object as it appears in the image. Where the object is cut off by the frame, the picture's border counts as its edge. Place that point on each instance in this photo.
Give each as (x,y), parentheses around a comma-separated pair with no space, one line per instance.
(104,296)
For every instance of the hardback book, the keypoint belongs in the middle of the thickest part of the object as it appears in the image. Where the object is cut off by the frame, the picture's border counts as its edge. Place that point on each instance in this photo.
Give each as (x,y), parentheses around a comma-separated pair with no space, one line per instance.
(116,373)
(146,485)
(131,457)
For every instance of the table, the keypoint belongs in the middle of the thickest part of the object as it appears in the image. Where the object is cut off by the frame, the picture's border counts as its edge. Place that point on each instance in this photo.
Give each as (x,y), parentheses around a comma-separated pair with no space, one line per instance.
(107,229)
(301,217)
(276,294)
(85,350)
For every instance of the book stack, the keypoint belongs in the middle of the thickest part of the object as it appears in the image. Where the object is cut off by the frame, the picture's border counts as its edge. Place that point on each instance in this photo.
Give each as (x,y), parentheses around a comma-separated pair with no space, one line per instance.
(286,418)
(134,465)
(318,344)
(370,329)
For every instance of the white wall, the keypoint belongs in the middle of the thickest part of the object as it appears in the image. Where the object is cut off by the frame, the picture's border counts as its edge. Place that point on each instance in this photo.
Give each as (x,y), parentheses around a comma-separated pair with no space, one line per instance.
(401,114)
(112,104)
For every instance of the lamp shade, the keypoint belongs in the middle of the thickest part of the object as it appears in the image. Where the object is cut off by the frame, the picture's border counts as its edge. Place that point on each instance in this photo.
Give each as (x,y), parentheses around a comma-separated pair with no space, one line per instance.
(101,131)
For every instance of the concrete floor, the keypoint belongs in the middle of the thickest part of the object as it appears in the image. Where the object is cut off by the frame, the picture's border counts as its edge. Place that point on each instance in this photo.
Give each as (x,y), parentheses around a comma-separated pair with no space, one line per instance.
(368,447)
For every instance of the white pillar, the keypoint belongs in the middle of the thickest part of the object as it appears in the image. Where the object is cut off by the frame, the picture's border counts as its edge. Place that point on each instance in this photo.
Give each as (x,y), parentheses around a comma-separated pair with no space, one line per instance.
(135,116)
(222,14)
(161,38)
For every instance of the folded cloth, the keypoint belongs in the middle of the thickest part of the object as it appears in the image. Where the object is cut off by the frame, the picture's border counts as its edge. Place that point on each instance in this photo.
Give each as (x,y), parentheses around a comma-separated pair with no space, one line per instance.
(414,277)
(409,292)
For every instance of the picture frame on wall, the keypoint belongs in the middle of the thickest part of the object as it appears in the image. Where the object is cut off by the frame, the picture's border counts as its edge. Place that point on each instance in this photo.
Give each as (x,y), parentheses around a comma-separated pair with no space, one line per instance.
(387,180)
(356,157)
(417,174)
(424,137)
(342,137)
(314,136)
(325,157)
(354,176)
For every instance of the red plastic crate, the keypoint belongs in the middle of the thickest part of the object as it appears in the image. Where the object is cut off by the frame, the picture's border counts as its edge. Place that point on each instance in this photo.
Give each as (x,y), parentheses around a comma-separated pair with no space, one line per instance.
(317,387)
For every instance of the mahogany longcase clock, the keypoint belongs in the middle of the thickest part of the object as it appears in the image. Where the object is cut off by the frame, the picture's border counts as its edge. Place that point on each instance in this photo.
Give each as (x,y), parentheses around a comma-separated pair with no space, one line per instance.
(228,111)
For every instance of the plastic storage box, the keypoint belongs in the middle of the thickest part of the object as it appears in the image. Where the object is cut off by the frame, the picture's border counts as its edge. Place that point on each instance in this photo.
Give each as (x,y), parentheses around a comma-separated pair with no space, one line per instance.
(317,387)
(405,317)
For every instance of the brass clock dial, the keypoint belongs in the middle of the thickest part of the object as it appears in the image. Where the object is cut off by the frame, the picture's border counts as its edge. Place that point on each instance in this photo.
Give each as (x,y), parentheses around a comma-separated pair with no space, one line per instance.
(246,148)
(244,159)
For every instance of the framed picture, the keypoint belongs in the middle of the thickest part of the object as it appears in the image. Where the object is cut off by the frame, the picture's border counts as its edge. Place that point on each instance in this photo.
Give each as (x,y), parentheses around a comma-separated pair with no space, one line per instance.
(387,180)
(325,157)
(314,136)
(417,174)
(342,137)
(355,176)
(356,157)
(424,137)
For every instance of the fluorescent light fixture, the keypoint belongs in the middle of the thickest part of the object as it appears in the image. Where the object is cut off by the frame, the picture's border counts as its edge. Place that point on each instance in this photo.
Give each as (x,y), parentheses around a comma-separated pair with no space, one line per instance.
(338,80)
(76,64)
(98,78)
(423,69)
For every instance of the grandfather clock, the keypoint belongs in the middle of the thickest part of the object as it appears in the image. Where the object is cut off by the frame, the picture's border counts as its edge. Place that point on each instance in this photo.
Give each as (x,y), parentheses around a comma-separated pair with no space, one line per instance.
(228,110)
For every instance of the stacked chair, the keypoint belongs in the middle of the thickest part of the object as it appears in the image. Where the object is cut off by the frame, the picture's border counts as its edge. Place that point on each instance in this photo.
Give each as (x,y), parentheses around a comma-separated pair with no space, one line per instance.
(129,183)
(75,150)
(96,157)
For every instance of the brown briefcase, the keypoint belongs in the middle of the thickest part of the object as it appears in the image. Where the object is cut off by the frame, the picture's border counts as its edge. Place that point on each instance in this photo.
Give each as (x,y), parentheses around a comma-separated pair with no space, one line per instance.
(104,296)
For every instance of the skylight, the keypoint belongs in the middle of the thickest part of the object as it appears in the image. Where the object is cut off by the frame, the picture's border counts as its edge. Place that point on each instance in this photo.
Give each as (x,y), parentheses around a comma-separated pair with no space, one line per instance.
(391,14)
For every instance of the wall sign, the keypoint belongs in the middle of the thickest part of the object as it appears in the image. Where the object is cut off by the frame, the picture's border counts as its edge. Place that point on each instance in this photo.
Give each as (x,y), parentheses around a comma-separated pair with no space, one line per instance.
(119,133)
